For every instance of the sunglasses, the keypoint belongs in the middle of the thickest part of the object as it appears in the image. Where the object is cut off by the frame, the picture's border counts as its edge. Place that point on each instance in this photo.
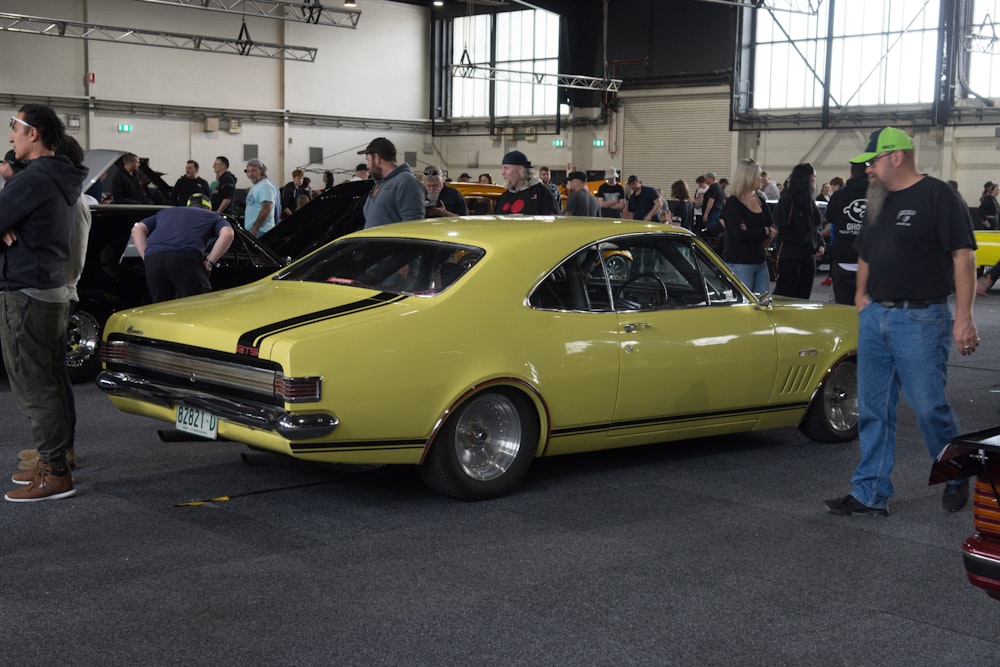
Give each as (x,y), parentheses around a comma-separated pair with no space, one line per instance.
(871,163)
(15,121)
(431,172)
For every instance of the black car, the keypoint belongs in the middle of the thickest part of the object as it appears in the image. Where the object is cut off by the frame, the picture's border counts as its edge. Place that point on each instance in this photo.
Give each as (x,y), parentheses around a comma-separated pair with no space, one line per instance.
(113,276)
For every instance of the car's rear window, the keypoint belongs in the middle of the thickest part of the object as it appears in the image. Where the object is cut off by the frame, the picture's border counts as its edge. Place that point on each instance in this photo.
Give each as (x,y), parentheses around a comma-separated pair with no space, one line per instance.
(401,266)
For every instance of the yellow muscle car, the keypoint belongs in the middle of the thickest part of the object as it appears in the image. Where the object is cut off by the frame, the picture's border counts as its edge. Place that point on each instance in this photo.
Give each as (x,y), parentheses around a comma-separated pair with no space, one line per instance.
(987,248)
(470,346)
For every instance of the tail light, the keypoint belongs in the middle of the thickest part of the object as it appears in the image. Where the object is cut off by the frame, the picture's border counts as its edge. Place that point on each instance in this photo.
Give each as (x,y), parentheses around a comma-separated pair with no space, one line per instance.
(298,390)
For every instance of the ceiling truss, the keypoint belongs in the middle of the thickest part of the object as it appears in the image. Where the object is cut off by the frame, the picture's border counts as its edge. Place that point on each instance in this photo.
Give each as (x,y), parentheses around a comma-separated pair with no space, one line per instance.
(241,46)
(309,11)
(473,71)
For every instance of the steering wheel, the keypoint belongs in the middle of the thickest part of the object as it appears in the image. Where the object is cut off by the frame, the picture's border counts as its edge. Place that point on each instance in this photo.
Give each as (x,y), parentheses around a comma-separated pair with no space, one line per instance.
(652,302)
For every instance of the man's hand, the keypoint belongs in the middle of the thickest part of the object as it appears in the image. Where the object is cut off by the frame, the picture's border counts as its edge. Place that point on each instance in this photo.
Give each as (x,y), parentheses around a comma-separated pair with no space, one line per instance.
(9,237)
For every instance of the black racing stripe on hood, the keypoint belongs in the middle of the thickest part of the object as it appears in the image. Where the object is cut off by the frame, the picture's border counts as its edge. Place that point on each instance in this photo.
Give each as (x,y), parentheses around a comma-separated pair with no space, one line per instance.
(254,337)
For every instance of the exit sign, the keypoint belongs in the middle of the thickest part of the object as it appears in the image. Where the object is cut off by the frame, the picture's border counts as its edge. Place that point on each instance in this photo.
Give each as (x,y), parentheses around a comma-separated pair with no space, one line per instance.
(598,143)
(557,143)
(124,128)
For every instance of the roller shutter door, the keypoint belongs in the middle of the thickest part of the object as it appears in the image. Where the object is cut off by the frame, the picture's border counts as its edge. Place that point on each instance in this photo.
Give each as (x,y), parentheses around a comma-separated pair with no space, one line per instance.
(677,135)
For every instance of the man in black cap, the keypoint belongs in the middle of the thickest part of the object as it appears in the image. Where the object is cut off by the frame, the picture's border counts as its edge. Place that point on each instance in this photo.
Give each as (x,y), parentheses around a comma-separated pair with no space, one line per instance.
(643,203)
(397,194)
(361,173)
(525,194)
(11,166)
(580,201)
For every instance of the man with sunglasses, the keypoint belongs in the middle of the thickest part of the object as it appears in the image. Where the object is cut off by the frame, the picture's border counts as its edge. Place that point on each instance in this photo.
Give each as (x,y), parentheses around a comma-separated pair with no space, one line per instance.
(442,201)
(38,207)
(915,250)
(397,195)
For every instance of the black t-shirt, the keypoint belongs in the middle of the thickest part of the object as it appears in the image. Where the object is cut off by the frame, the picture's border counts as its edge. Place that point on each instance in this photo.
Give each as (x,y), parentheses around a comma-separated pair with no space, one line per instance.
(185,187)
(846,212)
(536,200)
(745,246)
(452,200)
(908,248)
(224,189)
(611,193)
(682,212)
(641,203)
(717,196)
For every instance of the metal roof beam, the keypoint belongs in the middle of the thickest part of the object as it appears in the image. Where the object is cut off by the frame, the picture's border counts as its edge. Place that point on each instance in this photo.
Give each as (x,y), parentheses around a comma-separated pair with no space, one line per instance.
(473,71)
(304,12)
(36,25)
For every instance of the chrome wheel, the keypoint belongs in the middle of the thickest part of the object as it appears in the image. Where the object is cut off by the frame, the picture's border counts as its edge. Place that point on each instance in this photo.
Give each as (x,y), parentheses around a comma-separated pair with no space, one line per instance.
(840,398)
(618,267)
(83,342)
(485,447)
(487,436)
(833,414)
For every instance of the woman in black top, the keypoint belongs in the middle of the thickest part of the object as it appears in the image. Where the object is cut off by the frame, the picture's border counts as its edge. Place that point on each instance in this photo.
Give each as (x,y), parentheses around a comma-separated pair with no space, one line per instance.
(989,208)
(680,205)
(748,228)
(799,240)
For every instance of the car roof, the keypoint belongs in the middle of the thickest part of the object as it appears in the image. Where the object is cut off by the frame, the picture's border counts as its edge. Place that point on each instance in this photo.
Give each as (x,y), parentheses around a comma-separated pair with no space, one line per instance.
(499,231)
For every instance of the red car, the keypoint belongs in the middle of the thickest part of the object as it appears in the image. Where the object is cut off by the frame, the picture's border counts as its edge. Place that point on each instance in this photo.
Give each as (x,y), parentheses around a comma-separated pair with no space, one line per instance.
(977,454)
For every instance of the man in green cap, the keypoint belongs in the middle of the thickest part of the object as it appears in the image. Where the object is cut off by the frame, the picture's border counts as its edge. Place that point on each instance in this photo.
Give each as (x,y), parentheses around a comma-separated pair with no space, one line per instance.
(915,250)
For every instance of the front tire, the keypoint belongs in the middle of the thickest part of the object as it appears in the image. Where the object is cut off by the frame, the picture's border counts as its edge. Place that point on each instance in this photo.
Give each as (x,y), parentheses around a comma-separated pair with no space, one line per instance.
(833,414)
(485,448)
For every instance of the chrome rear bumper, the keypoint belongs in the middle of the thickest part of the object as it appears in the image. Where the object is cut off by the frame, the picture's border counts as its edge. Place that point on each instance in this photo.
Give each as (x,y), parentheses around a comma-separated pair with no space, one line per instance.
(297,426)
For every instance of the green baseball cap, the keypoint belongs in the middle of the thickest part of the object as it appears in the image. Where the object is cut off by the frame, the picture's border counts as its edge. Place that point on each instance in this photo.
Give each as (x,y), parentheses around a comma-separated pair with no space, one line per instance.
(884,141)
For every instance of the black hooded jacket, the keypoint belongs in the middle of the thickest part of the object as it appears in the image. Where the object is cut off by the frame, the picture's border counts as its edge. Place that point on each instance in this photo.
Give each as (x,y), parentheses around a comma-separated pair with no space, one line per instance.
(38,204)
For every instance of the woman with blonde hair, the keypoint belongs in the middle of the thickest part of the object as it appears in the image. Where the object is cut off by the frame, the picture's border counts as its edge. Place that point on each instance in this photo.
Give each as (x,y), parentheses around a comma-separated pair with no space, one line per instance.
(749,228)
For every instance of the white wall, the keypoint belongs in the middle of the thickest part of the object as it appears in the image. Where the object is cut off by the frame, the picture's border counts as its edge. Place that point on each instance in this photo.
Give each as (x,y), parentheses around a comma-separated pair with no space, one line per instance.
(377,72)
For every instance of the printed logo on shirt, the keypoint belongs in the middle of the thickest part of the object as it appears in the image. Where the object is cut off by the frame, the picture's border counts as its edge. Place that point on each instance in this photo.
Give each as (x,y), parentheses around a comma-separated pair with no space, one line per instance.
(855,211)
(903,218)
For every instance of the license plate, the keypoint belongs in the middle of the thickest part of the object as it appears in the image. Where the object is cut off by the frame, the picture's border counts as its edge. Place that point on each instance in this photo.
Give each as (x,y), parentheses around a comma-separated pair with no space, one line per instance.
(199,422)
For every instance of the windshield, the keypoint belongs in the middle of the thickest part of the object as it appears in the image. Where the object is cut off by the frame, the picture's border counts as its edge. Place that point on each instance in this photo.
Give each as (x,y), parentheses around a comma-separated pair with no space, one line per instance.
(400,266)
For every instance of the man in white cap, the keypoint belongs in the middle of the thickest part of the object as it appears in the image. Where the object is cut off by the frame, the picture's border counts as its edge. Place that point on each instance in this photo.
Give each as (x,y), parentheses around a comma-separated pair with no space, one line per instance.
(611,195)
(525,194)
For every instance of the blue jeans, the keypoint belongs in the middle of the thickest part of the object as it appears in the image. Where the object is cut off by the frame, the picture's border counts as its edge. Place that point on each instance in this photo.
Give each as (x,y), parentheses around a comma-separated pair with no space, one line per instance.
(754,276)
(908,349)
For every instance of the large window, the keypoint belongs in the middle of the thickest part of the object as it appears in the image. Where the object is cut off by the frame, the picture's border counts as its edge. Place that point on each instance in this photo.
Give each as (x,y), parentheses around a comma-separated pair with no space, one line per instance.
(984,48)
(526,43)
(884,52)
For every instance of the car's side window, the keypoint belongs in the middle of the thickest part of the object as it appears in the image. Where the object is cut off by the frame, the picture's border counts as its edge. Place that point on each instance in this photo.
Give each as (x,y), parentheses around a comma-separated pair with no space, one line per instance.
(660,272)
(577,284)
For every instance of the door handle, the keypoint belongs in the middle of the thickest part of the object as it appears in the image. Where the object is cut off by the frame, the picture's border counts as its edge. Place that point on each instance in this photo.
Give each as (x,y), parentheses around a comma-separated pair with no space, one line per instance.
(632,327)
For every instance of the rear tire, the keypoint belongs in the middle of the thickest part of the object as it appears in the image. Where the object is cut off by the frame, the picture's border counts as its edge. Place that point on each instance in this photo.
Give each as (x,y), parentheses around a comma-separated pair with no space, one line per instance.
(485,448)
(833,414)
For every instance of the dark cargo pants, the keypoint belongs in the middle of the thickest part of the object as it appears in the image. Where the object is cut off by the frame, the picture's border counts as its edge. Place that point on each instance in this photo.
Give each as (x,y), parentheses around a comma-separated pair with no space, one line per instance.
(32,337)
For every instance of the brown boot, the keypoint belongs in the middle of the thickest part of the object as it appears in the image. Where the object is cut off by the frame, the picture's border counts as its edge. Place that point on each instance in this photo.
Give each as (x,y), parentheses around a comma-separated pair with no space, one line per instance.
(27,458)
(44,485)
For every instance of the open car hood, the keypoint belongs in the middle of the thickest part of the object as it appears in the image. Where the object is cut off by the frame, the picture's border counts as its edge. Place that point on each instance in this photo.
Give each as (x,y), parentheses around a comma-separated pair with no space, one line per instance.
(336,212)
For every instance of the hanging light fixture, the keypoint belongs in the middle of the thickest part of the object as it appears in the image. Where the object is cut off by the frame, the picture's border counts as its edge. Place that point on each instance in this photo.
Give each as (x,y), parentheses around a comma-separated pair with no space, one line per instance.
(350,3)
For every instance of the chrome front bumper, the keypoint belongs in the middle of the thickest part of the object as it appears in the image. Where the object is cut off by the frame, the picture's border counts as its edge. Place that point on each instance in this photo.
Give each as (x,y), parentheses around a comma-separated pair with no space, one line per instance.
(298,426)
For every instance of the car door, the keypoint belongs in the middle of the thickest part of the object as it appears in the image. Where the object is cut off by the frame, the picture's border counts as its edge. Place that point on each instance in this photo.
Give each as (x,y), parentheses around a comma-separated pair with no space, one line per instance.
(574,351)
(697,355)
